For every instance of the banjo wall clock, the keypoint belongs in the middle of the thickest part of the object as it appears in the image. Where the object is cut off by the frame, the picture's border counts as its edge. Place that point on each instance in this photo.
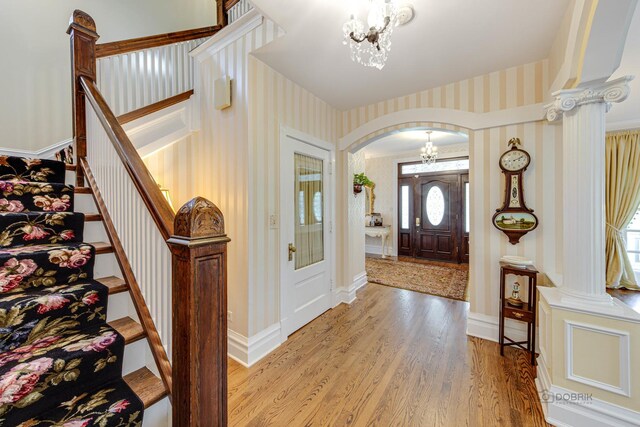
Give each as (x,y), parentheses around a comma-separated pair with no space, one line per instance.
(514,218)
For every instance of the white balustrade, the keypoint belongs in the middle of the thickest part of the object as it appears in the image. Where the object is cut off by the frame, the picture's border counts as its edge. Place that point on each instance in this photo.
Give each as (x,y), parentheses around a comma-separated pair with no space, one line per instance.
(238,10)
(141,239)
(136,79)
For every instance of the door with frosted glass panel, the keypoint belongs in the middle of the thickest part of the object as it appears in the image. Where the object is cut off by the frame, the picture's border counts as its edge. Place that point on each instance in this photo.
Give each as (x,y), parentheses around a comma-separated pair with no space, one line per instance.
(305,206)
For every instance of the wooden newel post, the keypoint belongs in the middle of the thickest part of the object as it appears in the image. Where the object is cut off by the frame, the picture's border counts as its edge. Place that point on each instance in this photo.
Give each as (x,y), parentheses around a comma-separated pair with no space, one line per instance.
(82,30)
(199,248)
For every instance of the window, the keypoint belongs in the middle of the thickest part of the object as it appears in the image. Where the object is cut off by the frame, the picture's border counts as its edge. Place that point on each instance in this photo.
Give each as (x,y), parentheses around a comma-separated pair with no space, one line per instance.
(467,215)
(632,237)
(447,165)
(435,205)
(404,224)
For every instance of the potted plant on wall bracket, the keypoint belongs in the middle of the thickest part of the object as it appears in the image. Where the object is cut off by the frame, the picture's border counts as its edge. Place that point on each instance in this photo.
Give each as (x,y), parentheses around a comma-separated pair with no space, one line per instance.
(360,180)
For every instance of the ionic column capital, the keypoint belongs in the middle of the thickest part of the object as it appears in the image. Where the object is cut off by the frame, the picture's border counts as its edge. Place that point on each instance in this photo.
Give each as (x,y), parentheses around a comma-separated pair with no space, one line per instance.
(607,93)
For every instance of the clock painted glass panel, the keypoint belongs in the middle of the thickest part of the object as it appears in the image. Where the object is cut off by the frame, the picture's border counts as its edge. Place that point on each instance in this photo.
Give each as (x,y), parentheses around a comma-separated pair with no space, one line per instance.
(515,221)
(435,205)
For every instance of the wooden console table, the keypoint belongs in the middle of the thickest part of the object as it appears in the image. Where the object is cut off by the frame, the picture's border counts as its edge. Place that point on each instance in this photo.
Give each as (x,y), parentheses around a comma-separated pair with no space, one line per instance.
(526,313)
(383,233)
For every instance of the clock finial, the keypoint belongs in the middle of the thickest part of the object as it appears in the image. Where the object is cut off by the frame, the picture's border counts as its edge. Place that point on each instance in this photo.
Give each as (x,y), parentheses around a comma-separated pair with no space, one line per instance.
(514,142)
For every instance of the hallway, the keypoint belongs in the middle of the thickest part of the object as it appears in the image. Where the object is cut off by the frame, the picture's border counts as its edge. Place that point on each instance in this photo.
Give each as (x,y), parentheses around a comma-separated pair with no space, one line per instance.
(394,357)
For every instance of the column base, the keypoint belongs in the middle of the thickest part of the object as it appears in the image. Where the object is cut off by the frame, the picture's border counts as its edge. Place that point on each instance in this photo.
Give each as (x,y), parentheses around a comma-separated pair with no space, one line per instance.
(572,295)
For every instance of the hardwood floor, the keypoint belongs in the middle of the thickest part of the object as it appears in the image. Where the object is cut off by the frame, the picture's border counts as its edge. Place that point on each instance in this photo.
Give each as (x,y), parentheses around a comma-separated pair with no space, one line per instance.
(392,358)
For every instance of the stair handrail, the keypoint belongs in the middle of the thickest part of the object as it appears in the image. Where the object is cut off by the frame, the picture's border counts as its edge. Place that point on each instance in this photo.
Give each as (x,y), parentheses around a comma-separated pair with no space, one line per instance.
(197,379)
(141,43)
(158,206)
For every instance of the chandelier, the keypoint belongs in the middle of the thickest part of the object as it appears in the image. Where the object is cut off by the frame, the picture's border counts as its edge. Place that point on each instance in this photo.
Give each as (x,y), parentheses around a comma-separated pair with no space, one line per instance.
(429,152)
(371,47)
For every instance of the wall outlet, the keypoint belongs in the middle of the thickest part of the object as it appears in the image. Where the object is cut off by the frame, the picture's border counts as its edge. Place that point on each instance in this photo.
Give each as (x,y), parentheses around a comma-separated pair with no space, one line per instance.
(230,316)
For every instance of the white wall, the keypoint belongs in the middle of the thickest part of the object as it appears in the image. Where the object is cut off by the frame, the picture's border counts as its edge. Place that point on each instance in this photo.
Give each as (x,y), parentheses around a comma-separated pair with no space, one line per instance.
(35,83)
(383,171)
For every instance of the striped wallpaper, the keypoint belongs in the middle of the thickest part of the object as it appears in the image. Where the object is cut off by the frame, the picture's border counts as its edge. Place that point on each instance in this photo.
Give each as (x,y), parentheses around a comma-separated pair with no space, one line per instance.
(274,101)
(234,161)
(172,168)
(514,87)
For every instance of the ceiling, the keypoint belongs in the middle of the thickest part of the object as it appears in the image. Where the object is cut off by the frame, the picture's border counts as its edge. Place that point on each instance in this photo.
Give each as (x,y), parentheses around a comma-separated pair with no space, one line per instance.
(446,42)
(411,142)
(628,112)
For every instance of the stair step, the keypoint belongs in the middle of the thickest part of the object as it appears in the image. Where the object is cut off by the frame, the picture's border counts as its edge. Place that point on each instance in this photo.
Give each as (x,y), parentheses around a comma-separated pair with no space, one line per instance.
(115,284)
(130,329)
(146,385)
(83,190)
(102,247)
(70,167)
(92,217)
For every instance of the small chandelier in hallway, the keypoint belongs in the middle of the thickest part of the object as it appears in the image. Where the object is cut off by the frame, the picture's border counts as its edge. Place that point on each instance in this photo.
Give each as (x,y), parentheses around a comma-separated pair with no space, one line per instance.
(429,151)
(371,47)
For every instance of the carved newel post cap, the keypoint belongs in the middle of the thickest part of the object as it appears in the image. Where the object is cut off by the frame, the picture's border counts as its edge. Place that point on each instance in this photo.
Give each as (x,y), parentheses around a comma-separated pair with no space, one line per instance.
(82,21)
(199,219)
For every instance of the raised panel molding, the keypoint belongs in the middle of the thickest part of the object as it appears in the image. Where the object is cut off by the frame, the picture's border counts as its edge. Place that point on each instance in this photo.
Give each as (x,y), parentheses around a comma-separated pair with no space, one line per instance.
(624,388)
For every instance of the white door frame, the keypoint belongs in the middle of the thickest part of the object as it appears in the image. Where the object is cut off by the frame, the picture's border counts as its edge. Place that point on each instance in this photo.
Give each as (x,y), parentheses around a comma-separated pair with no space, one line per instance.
(287,132)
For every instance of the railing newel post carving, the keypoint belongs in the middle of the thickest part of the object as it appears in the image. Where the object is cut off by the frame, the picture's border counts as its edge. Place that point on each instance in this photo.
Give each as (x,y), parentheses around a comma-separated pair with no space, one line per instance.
(199,291)
(82,30)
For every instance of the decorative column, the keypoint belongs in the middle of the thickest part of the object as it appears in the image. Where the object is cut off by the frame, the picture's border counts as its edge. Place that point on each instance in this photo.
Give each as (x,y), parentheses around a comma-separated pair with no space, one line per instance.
(582,111)
(199,249)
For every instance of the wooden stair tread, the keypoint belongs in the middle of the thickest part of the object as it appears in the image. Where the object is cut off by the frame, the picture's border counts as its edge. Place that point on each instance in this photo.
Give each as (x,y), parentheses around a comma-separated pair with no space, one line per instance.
(115,284)
(92,217)
(130,329)
(70,167)
(82,190)
(146,386)
(102,247)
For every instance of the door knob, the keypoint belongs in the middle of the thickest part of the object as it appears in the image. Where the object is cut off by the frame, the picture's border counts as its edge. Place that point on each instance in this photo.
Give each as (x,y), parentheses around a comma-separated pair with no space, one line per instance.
(292,250)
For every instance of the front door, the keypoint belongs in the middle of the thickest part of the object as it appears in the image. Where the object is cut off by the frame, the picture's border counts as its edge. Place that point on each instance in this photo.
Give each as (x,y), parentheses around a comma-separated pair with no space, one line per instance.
(305,234)
(436,213)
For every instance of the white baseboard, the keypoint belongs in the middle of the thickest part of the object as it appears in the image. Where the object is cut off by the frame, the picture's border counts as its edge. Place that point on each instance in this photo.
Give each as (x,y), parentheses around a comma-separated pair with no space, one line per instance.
(486,327)
(566,408)
(44,153)
(248,351)
(347,295)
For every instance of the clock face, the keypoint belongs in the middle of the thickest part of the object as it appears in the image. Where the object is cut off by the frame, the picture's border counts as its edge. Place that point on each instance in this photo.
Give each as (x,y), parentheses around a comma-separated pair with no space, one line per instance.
(514,160)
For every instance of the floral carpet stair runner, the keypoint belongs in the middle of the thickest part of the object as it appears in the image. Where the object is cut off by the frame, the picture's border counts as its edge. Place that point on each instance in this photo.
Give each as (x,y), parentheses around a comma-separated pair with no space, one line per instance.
(60,363)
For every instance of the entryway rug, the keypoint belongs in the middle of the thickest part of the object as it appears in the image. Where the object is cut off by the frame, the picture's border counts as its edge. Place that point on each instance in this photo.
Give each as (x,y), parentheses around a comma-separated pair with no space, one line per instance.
(449,281)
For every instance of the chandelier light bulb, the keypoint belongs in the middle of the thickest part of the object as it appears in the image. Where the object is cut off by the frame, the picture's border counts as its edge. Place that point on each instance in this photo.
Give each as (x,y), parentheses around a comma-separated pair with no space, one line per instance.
(429,152)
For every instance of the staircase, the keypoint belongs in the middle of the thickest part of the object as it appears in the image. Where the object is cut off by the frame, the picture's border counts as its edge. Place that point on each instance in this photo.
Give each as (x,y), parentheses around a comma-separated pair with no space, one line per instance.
(61,362)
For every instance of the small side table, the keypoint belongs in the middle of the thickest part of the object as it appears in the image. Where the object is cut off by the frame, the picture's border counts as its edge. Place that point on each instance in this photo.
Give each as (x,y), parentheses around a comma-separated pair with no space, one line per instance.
(383,232)
(526,313)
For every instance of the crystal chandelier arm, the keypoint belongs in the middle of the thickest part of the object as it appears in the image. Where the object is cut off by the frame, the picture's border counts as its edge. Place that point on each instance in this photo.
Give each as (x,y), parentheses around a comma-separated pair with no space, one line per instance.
(387,22)
(358,40)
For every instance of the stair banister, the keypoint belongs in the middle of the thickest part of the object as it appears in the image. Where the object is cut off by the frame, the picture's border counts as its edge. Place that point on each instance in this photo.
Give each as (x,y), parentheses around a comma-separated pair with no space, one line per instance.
(195,238)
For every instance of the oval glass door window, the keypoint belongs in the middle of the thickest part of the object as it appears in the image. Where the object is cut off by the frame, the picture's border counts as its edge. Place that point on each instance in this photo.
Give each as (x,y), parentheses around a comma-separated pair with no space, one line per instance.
(435,205)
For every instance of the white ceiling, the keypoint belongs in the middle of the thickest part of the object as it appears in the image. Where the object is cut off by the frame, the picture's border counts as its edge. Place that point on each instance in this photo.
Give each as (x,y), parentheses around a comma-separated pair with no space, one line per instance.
(448,41)
(627,113)
(411,142)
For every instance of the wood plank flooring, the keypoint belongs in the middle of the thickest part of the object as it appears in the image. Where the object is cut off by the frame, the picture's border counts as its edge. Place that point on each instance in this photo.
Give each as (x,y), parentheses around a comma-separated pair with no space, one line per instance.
(393,358)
